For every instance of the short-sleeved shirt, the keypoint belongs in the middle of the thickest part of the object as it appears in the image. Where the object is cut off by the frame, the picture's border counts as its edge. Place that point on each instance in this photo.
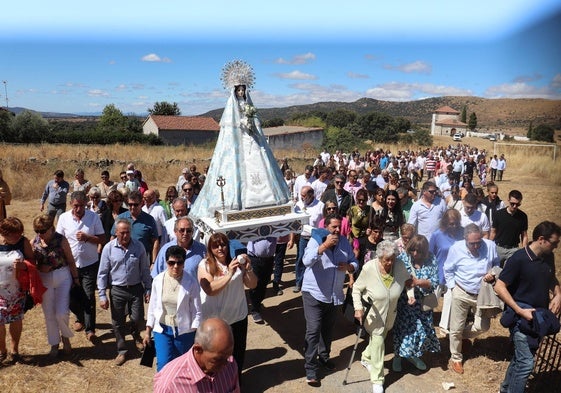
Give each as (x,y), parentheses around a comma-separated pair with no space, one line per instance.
(509,227)
(84,253)
(143,228)
(529,277)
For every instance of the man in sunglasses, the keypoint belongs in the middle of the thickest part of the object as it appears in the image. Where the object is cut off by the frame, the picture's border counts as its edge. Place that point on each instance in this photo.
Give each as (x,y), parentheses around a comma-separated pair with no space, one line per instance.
(183,230)
(427,211)
(468,264)
(124,267)
(509,227)
(525,285)
(338,194)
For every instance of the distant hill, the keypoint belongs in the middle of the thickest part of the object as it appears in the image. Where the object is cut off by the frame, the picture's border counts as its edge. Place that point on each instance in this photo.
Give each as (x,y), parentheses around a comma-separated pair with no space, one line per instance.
(499,114)
(491,113)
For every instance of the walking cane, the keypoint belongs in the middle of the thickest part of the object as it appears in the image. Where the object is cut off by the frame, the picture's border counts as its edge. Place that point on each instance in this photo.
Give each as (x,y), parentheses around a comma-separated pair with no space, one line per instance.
(359,331)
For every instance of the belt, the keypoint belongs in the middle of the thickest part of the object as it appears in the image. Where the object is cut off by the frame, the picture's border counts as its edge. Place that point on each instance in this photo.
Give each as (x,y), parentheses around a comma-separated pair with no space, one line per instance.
(505,246)
(471,294)
(126,286)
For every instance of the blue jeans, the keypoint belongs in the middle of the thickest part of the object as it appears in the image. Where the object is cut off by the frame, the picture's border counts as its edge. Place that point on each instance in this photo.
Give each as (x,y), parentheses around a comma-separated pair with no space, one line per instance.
(520,366)
(300,268)
(170,346)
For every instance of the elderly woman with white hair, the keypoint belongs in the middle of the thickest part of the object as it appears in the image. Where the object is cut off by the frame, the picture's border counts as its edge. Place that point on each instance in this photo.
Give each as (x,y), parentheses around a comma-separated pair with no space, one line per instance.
(379,285)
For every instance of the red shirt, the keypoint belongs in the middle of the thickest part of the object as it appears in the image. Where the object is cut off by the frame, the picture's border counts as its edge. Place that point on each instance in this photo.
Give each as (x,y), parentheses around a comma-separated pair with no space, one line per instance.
(183,375)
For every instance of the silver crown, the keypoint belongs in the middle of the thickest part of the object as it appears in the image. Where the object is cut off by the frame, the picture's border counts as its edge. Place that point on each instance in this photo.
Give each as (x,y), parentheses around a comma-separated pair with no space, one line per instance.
(236,73)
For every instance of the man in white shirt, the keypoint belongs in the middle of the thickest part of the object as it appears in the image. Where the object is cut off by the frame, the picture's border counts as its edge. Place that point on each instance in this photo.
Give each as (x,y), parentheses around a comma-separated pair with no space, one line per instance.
(470,215)
(312,206)
(304,179)
(321,183)
(84,232)
(427,211)
(179,209)
(152,207)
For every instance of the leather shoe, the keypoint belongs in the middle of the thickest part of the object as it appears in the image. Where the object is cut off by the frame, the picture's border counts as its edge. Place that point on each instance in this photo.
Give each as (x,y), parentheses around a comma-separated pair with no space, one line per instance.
(120,359)
(91,337)
(456,367)
(78,326)
(314,382)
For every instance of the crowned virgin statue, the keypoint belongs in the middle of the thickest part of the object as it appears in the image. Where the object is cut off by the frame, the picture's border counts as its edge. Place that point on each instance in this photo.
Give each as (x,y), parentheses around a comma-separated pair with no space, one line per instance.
(242,155)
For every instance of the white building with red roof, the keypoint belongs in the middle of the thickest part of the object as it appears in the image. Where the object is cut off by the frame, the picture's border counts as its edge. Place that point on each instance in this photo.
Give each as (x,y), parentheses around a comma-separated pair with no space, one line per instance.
(182,130)
(446,121)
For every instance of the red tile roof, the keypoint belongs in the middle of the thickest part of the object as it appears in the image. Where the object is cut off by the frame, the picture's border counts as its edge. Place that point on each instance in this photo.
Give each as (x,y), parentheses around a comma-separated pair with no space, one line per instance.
(451,122)
(187,123)
(447,109)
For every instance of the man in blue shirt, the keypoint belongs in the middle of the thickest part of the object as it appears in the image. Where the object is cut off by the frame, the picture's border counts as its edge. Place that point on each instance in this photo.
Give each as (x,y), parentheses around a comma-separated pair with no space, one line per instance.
(143,225)
(55,194)
(528,277)
(196,251)
(326,259)
(467,265)
(124,268)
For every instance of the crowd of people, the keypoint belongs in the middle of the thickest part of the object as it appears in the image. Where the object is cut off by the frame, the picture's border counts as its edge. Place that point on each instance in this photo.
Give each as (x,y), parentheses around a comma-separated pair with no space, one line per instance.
(399,231)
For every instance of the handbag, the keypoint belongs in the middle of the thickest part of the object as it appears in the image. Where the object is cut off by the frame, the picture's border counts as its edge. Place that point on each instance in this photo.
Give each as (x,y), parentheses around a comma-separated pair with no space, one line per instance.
(148,354)
(29,302)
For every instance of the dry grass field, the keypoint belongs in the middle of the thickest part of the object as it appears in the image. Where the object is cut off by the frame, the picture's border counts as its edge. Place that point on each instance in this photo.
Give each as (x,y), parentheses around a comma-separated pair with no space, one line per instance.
(274,362)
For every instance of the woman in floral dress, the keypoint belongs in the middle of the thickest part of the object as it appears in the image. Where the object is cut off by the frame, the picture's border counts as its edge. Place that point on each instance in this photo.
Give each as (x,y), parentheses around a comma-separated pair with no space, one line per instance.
(414,333)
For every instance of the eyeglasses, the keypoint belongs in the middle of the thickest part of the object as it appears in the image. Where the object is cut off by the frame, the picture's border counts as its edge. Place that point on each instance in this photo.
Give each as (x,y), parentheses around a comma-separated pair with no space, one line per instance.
(187,189)
(555,243)
(515,204)
(175,263)
(117,200)
(474,244)
(132,204)
(331,209)
(94,196)
(42,231)
(361,200)
(123,177)
(185,230)
(338,182)
(431,191)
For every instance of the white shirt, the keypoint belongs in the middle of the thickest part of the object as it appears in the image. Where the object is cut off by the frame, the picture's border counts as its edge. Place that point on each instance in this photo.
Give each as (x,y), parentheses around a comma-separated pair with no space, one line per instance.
(319,188)
(314,209)
(476,218)
(300,182)
(84,253)
(169,226)
(159,215)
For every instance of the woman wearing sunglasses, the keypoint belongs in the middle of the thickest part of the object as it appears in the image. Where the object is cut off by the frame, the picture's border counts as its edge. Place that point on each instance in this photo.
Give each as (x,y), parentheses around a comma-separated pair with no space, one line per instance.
(174,312)
(58,273)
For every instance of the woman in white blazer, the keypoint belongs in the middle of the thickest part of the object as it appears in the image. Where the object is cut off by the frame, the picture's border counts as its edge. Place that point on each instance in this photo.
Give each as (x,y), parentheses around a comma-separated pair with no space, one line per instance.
(174,312)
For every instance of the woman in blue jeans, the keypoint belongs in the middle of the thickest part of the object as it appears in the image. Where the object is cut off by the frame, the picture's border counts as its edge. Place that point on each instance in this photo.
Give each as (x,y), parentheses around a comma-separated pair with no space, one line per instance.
(174,310)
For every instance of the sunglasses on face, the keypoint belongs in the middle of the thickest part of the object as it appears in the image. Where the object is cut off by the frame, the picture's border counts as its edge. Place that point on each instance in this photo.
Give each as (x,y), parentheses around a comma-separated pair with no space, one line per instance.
(185,230)
(133,204)
(175,263)
(42,231)
(515,204)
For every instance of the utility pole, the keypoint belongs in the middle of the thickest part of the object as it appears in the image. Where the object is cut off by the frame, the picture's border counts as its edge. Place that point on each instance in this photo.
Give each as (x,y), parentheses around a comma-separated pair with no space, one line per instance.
(6,92)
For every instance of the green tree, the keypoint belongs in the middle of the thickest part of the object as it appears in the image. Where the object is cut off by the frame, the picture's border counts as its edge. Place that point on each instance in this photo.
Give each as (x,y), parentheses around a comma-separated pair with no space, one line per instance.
(275,122)
(112,119)
(463,117)
(338,139)
(165,108)
(423,138)
(472,124)
(375,125)
(30,127)
(543,133)
(530,130)
(6,119)
(340,118)
(133,124)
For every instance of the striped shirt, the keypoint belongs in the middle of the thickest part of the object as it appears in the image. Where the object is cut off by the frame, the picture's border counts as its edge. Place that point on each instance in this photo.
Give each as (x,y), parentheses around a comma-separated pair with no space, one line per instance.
(183,375)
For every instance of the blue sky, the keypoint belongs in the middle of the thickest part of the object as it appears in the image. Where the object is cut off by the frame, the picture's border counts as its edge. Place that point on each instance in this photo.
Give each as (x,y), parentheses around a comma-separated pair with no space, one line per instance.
(63,56)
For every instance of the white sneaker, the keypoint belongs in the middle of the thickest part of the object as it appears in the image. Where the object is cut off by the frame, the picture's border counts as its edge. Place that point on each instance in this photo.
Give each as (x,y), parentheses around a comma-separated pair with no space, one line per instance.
(377,388)
(366,365)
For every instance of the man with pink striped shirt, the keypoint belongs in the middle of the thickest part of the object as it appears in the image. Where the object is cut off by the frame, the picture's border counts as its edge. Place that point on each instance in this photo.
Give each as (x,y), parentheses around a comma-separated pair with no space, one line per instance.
(207,367)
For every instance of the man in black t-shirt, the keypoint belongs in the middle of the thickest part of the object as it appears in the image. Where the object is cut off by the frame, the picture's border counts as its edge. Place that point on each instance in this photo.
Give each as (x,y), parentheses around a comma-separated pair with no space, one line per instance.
(528,277)
(510,227)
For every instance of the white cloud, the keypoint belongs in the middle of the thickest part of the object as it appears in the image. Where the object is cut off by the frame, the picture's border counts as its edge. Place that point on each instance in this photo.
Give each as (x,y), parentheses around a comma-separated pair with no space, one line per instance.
(354,75)
(121,87)
(154,58)
(98,93)
(298,59)
(527,78)
(522,90)
(395,91)
(296,75)
(418,66)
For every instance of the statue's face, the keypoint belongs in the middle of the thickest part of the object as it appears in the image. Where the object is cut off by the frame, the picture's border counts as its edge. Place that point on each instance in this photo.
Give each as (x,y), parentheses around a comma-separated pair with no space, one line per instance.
(240,91)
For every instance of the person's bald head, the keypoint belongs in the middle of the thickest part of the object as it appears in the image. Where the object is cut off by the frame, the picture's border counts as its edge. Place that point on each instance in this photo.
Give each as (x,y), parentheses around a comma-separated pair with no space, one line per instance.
(307,194)
(214,344)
